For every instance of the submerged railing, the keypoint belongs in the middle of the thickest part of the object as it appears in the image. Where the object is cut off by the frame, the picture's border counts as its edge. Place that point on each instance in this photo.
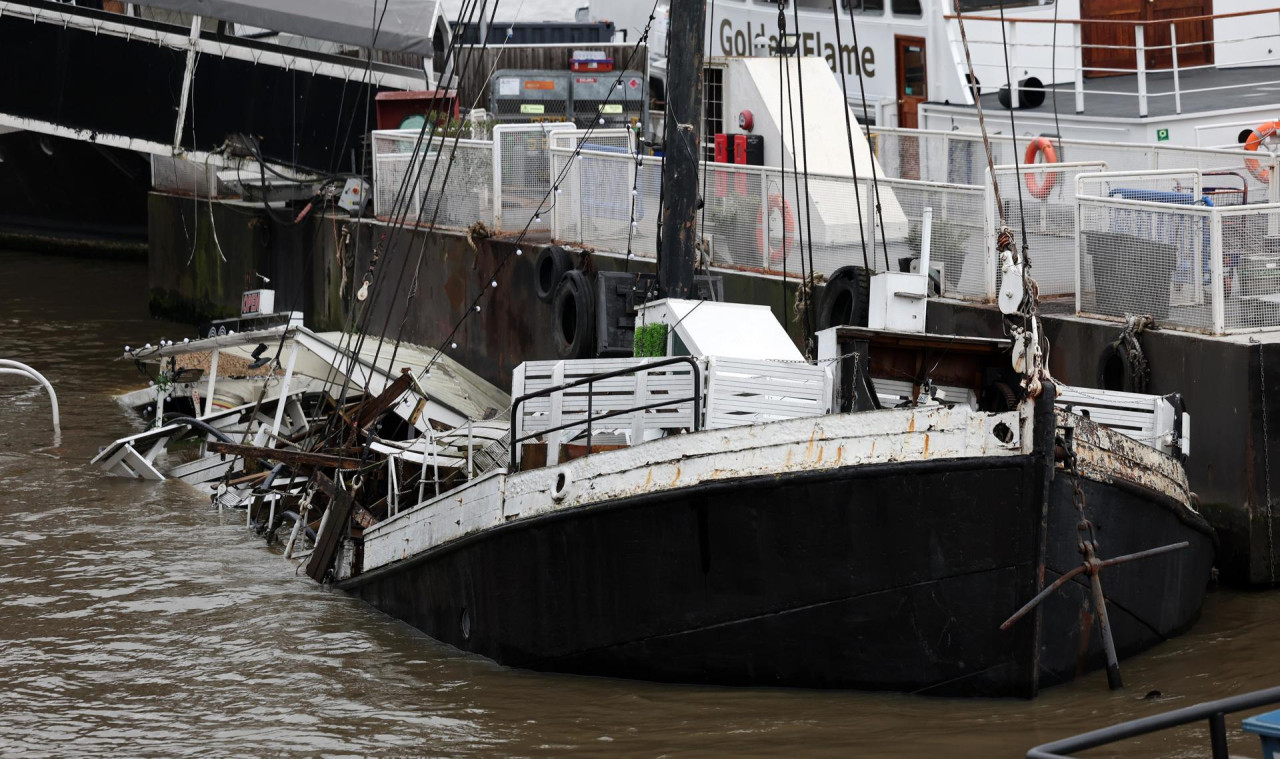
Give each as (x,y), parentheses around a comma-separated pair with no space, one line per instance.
(8,366)
(1214,712)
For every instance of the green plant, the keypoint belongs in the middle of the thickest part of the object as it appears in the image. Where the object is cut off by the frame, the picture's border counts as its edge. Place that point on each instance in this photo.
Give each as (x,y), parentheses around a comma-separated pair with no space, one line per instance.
(650,341)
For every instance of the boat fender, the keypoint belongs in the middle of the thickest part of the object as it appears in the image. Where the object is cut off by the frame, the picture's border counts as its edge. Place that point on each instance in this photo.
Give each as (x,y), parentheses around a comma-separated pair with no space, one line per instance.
(573,316)
(1041,146)
(560,486)
(844,298)
(553,262)
(1260,133)
(1122,365)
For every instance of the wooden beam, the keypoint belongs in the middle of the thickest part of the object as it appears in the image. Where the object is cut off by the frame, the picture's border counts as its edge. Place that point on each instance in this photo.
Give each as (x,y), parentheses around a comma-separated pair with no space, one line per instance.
(292,458)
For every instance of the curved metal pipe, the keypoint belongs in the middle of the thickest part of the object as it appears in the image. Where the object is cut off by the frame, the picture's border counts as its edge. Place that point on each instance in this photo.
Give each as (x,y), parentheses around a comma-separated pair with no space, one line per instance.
(202,426)
(23,369)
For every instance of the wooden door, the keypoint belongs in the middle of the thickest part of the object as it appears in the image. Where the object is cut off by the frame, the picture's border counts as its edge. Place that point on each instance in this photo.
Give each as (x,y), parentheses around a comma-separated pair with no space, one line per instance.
(1188,31)
(1121,58)
(1161,13)
(913,85)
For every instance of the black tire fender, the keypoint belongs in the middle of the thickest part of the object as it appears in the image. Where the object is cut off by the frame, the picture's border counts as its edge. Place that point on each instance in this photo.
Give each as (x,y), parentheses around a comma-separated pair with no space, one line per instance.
(553,262)
(1116,370)
(844,298)
(573,316)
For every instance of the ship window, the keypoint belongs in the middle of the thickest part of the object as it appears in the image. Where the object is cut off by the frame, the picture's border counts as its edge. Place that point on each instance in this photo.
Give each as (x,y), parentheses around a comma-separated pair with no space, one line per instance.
(968,6)
(712,109)
(906,8)
(863,6)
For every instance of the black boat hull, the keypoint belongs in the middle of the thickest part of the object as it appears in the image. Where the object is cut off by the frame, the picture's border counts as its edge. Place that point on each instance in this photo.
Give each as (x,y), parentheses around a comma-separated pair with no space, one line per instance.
(884,577)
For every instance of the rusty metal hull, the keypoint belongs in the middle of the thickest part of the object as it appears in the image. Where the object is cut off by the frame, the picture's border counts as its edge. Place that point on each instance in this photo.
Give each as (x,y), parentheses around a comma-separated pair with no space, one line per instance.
(885,577)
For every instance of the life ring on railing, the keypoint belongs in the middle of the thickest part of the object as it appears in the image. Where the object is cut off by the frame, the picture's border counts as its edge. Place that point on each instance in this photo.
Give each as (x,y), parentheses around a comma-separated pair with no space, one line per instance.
(1041,146)
(777,203)
(1260,133)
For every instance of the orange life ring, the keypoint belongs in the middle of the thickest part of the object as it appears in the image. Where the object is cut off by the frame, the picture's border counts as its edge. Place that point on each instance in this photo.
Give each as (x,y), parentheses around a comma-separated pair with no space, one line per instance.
(776,203)
(1038,146)
(1260,133)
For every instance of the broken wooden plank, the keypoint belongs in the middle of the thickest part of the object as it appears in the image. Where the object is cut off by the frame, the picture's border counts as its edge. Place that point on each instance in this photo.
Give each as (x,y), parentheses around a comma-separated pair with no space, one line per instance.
(292,458)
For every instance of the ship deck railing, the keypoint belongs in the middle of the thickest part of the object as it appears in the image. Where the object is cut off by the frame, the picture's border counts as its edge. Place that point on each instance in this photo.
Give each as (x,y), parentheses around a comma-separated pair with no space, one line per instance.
(635,399)
(543,182)
(1121,67)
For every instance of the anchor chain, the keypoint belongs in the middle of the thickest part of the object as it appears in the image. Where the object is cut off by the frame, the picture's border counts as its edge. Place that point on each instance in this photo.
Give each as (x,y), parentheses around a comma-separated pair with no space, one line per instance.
(1087,544)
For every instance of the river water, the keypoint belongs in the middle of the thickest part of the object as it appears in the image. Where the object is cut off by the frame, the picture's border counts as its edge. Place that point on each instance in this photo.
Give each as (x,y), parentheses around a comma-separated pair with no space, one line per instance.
(137,621)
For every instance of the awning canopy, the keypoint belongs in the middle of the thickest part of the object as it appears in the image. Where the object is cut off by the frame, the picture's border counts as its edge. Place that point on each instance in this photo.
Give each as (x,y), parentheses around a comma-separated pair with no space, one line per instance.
(406,27)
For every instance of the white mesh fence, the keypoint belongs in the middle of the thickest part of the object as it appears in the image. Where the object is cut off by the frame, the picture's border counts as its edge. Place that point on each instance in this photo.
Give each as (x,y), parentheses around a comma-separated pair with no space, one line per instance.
(467,195)
(1044,195)
(1250,245)
(762,218)
(1139,257)
(957,238)
(522,177)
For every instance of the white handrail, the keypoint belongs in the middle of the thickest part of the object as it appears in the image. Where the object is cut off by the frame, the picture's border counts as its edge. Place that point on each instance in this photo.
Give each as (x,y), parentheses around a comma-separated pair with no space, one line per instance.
(27,371)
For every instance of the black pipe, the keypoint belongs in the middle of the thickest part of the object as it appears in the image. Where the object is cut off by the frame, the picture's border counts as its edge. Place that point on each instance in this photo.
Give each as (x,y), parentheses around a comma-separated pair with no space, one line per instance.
(293,515)
(202,426)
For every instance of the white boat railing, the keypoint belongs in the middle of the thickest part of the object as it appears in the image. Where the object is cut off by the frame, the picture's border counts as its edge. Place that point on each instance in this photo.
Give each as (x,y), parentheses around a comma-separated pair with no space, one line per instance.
(1238,40)
(8,366)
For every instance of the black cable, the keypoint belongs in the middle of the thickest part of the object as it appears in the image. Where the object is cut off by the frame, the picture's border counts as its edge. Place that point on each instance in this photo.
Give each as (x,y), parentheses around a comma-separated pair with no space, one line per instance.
(1053,65)
(556,183)
(848,129)
(355,331)
(795,178)
(866,118)
(808,200)
(782,156)
(1013,128)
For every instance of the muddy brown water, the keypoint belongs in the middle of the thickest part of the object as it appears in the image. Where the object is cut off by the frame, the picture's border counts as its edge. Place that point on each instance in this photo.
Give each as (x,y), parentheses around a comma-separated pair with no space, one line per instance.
(137,621)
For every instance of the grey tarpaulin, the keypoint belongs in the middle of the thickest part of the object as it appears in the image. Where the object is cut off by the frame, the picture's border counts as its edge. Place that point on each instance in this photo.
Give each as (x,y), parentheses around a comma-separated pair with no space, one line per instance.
(406,28)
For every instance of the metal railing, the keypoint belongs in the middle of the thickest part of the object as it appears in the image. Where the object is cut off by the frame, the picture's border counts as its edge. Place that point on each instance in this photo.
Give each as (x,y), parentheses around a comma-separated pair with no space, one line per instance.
(591,417)
(1214,712)
(18,368)
(1176,256)
(1239,39)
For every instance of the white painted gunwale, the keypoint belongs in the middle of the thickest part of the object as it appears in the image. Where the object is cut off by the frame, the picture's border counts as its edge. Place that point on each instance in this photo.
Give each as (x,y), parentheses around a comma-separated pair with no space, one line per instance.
(680,461)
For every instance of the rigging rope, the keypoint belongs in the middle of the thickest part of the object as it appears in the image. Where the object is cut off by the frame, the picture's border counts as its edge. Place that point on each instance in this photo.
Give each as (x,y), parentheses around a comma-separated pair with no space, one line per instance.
(848,129)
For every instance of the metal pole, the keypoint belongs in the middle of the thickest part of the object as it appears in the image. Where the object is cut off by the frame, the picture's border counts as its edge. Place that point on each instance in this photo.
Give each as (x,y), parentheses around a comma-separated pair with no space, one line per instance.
(470,468)
(590,411)
(213,378)
(1078,42)
(1100,606)
(1218,736)
(1177,91)
(282,399)
(1140,48)
(682,145)
(187,76)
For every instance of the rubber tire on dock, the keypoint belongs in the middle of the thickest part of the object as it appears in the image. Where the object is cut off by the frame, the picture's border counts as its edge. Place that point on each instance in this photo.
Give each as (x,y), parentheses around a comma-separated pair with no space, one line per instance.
(553,262)
(573,316)
(844,298)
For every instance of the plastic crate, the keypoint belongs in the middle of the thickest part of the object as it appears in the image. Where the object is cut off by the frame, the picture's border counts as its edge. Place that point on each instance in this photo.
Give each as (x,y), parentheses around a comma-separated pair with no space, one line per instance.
(1267,726)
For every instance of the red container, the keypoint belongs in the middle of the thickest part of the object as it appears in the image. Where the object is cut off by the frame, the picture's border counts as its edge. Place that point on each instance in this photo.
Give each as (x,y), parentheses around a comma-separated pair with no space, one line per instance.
(591,64)
(394,107)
